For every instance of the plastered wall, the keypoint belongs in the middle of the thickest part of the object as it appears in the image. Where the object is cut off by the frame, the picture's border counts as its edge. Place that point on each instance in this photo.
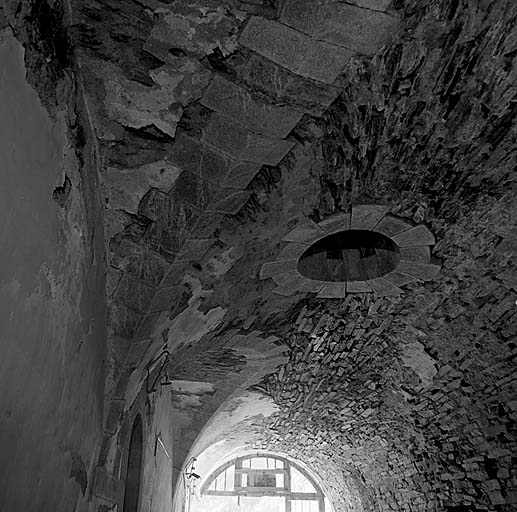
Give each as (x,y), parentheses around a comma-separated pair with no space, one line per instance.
(52,311)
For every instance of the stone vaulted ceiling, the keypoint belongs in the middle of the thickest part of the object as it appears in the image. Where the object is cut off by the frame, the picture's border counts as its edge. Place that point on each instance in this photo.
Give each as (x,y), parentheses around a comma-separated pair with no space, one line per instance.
(224,125)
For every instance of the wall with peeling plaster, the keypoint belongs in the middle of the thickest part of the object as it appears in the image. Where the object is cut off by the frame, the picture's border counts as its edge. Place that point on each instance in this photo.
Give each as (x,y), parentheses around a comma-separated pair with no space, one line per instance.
(52,311)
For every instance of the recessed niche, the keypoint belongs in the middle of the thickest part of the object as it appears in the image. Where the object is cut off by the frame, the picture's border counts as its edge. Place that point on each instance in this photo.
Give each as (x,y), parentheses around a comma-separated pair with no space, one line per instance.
(352,255)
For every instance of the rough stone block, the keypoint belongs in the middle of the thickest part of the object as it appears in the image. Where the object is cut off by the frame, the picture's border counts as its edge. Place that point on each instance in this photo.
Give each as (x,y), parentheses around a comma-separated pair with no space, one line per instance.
(192,155)
(333,291)
(277,267)
(305,94)
(123,321)
(147,327)
(235,140)
(124,188)
(191,188)
(419,235)
(154,205)
(134,293)
(240,175)
(366,216)
(136,261)
(294,50)
(206,225)
(305,233)
(113,416)
(341,24)
(229,202)
(136,353)
(106,486)
(374,5)
(257,116)
(194,250)
(163,297)
(164,240)
(423,271)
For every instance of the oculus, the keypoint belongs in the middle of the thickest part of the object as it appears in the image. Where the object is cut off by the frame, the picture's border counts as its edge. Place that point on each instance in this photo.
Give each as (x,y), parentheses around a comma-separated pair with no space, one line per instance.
(352,255)
(364,251)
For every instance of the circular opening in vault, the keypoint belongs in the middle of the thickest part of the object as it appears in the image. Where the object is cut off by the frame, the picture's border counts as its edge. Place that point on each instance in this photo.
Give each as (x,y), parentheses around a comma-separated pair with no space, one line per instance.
(353,255)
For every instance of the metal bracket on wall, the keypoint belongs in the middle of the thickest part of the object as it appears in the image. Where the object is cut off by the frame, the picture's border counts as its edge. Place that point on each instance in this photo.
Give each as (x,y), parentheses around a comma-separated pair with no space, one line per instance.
(158,441)
(161,374)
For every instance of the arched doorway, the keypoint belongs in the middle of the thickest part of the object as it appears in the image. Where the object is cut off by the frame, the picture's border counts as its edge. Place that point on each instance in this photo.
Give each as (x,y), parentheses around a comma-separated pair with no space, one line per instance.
(260,482)
(134,467)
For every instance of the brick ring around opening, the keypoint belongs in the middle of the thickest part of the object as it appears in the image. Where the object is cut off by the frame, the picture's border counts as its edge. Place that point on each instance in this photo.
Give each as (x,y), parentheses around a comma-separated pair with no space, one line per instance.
(413,244)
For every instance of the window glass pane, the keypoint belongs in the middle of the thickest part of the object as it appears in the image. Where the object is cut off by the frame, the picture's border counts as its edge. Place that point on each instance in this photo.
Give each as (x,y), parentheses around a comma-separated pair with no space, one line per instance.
(259,463)
(230,478)
(299,483)
(246,463)
(244,480)
(279,480)
(304,506)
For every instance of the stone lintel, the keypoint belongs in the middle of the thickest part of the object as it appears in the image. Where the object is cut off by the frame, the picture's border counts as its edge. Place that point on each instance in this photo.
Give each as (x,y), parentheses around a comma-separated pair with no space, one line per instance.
(366,216)
(299,283)
(423,271)
(277,267)
(383,287)
(340,222)
(419,253)
(358,287)
(292,250)
(419,235)
(333,290)
(305,233)
(390,226)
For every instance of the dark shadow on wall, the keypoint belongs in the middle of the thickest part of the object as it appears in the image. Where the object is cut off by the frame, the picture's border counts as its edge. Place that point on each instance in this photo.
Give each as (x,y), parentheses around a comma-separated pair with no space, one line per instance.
(134,467)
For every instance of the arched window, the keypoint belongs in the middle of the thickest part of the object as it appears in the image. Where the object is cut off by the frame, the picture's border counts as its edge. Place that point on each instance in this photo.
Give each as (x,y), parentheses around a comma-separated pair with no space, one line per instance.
(261,482)
(134,467)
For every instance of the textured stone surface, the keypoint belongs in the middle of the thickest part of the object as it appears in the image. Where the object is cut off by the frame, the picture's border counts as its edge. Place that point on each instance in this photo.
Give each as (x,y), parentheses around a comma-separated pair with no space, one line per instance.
(135,105)
(390,226)
(367,216)
(277,267)
(339,23)
(189,154)
(285,86)
(240,175)
(233,101)
(336,223)
(383,287)
(294,51)
(418,235)
(235,140)
(421,253)
(421,270)
(332,291)
(305,233)
(299,284)
(402,402)
(229,202)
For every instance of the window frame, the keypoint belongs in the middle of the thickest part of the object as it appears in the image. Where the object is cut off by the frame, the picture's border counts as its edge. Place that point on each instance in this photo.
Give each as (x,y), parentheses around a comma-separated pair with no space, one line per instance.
(259,491)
